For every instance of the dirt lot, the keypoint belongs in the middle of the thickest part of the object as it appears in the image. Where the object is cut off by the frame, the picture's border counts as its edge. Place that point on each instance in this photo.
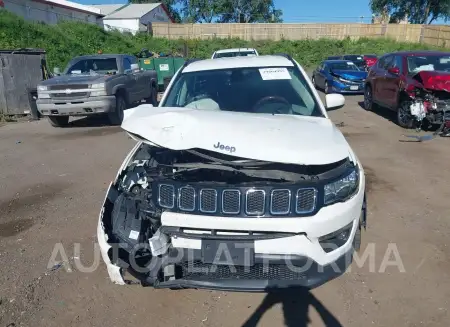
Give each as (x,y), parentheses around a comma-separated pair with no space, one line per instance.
(52,183)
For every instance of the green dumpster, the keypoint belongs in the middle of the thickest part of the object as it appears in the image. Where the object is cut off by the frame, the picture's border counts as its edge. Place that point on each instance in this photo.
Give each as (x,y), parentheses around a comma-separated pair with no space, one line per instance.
(164,67)
(146,63)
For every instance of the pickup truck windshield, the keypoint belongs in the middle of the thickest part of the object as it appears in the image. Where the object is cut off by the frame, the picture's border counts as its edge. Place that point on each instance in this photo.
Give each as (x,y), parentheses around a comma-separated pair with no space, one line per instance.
(235,54)
(274,90)
(420,63)
(93,65)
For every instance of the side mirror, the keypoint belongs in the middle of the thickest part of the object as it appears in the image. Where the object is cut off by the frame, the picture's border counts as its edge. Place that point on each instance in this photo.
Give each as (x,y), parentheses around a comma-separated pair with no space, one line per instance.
(334,101)
(394,70)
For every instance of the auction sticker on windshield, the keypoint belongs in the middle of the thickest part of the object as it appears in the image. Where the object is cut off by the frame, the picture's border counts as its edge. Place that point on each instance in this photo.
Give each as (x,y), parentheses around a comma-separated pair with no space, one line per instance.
(274,73)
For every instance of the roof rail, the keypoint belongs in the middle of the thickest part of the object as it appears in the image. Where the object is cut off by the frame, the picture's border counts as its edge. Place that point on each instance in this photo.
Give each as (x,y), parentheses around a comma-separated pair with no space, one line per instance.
(285,55)
(188,62)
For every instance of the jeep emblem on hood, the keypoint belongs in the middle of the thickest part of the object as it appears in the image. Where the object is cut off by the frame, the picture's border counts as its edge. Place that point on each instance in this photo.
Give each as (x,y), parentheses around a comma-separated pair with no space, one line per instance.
(227,148)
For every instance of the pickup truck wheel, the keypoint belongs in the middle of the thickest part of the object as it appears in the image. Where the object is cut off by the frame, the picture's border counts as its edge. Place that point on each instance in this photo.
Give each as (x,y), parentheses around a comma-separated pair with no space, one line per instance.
(404,117)
(116,117)
(154,97)
(58,121)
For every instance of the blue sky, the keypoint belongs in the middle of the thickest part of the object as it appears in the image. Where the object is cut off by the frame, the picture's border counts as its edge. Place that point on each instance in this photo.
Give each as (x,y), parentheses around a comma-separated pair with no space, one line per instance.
(324,11)
(307,11)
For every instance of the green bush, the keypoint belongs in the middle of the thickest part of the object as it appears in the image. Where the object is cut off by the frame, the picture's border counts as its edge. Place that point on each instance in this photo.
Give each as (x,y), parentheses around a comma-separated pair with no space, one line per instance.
(68,39)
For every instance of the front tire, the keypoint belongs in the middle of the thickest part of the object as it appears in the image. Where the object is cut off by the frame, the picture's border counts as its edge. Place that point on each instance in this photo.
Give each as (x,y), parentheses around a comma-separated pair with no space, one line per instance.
(116,117)
(368,98)
(326,88)
(58,121)
(357,239)
(153,99)
(313,80)
(404,117)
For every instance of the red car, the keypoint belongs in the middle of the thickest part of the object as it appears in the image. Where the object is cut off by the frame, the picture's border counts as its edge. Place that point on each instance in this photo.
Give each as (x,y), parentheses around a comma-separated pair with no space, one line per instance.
(370,60)
(414,84)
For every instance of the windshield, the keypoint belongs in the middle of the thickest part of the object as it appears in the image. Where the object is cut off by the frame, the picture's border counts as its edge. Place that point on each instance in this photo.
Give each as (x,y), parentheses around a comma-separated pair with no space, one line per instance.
(420,63)
(93,66)
(345,65)
(274,90)
(235,54)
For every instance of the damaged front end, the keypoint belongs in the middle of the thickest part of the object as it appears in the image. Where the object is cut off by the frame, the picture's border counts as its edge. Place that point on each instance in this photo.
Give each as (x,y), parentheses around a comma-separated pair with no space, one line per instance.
(429,101)
(134,235)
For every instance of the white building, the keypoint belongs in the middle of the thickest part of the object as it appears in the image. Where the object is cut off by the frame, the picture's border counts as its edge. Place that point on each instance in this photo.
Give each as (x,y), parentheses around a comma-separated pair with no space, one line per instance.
(53,11)
(133,17)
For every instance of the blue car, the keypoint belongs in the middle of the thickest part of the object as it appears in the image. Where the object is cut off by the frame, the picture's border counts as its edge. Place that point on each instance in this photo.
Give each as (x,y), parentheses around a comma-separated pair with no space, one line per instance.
(339,76)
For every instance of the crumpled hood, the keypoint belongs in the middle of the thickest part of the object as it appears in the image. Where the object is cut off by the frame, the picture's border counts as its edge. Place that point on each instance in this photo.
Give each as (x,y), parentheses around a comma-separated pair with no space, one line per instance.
(75,79)
(276,138)
(434,80)
(350,74)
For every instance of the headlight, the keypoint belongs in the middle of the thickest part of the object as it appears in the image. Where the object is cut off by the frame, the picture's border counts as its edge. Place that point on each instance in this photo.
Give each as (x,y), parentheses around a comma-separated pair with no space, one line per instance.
(98,86)
(42,88)
(344,80)
(342,189)
(43,95)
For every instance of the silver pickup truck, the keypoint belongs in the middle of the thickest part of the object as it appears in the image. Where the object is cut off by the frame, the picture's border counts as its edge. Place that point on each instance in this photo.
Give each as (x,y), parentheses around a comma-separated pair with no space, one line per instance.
(97,84)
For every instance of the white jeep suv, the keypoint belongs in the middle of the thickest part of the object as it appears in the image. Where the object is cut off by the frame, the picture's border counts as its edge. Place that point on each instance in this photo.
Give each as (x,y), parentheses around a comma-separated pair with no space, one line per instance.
(238,181)
(238,52)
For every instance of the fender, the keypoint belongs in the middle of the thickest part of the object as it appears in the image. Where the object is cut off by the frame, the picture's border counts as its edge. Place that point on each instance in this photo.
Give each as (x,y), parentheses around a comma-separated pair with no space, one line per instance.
(117,87)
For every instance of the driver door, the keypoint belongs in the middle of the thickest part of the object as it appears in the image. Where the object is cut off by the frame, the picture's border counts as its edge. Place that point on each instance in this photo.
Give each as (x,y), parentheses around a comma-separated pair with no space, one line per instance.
(131,81)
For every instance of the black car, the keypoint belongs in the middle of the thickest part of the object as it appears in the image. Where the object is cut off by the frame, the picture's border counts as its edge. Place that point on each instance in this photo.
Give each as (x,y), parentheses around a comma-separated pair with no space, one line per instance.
(358,60)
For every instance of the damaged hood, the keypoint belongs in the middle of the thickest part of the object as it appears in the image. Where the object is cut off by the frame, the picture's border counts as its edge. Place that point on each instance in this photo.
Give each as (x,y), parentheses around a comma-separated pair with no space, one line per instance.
(277,138)
(350,74)
(434,80)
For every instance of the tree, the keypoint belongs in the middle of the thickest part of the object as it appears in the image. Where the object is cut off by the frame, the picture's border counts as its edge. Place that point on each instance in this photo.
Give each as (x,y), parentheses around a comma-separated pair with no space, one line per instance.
(230,11)
(250,11)
(416,11)
(170,5)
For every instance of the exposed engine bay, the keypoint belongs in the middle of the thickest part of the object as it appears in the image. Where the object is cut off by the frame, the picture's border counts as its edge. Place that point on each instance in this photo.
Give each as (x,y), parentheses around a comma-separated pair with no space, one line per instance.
(430,103)
(159,180)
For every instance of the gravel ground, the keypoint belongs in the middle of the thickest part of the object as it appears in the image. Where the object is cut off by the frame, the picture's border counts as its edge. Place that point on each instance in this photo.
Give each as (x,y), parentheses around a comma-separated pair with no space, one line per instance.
(52,184)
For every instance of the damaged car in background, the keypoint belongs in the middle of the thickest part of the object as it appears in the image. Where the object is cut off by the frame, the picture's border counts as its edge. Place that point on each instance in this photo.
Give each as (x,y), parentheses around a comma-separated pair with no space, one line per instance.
(238,181)
(414,84)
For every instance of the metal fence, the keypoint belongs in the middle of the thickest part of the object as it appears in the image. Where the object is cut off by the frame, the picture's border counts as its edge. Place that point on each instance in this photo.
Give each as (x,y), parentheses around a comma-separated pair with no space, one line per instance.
(438,35)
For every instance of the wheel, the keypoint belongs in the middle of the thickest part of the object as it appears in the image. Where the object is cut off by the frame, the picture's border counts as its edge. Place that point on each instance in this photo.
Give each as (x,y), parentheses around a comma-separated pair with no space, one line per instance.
(313,80)
(154,97)
(116,117)
(325,89)
(58,121)
(404,117)
(368,99)
(357,239)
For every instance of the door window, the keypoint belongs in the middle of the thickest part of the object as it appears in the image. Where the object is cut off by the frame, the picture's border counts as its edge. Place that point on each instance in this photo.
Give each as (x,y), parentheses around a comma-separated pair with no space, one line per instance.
(387,62)
(126,64)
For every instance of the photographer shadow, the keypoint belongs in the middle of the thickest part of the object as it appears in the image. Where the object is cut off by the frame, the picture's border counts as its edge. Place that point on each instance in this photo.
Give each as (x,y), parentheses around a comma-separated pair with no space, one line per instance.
(296,303)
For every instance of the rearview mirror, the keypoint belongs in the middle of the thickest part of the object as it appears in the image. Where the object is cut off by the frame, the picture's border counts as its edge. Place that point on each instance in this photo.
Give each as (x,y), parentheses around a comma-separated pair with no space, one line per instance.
(334,101)
(394,70)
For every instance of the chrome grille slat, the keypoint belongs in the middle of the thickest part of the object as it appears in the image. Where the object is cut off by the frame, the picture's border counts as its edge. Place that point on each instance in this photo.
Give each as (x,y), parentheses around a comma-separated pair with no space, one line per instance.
(208,200)
(231,201)
(255,202)
(280,202)
(186,198)
(166,196)
(305,200)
